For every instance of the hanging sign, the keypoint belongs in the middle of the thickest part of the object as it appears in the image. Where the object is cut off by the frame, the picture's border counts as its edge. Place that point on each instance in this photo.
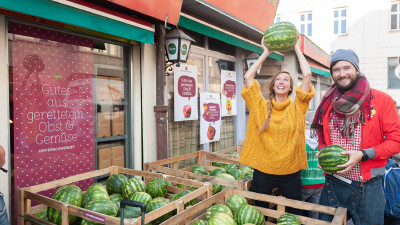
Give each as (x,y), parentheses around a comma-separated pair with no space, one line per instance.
(185,93)
(53,106)
(210,120)
(228,93)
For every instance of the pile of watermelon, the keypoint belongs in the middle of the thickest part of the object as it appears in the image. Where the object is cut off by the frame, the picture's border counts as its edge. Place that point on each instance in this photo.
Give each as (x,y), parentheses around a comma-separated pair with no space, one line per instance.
(236,212)
(229,171)
(106,199)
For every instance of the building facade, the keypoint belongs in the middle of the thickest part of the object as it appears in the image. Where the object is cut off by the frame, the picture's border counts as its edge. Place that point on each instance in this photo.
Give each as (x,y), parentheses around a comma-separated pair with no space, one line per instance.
(84,89)
(370,28)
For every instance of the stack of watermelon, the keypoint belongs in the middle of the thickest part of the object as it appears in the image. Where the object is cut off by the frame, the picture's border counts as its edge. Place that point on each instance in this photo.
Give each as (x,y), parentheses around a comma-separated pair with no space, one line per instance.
(235,212)
(105,199)
(229,171)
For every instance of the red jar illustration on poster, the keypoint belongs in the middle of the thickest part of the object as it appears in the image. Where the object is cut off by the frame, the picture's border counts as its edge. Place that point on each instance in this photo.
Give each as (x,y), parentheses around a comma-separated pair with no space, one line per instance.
(210,132)
(187,111)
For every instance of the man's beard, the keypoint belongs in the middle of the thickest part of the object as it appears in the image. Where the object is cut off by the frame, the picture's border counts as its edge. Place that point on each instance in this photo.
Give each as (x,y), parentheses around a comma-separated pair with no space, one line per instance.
(348,87)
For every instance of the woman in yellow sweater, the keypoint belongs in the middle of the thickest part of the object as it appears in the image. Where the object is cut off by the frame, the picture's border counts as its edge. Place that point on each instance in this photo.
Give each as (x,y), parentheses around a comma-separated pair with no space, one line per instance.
(275,140)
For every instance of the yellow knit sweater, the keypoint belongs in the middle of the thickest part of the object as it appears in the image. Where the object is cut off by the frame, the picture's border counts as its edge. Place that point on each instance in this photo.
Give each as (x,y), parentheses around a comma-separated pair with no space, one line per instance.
(281,149)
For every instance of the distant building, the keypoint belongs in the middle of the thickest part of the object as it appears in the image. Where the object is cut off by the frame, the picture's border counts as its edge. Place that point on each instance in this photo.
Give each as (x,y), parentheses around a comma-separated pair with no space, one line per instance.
(370,28)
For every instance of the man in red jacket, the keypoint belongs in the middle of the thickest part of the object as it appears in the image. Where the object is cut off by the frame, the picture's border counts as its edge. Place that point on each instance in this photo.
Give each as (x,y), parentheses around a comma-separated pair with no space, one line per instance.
(365,122)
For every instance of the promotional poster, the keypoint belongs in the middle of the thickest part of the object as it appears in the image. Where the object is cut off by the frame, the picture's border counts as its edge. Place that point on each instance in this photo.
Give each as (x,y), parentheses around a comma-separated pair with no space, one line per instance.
(53,107)
(185,93)
(228,93)
(210,119)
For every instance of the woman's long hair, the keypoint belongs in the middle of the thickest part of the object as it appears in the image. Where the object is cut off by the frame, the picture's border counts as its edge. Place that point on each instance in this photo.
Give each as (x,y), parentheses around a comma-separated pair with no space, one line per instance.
(272,95)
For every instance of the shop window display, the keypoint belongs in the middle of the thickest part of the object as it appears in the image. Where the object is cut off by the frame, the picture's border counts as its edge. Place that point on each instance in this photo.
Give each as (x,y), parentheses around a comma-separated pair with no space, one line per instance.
(67,102)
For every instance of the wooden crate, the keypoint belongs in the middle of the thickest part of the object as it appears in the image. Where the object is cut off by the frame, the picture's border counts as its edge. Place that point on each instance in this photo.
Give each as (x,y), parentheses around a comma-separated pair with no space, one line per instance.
(170,166)
(27,195)
(189,216)
(237,148)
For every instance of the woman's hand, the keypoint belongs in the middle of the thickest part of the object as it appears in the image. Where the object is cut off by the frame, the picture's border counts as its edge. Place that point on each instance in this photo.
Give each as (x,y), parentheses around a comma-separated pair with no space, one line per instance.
(264,47)
(298,43)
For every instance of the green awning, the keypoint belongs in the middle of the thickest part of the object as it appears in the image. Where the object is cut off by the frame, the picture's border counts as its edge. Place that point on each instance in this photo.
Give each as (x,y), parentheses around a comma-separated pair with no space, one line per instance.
(217,34)
(65,14)
(319,71)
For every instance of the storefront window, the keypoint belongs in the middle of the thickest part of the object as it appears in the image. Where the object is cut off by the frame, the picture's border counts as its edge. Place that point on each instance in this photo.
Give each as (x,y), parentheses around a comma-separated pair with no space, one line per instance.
(68,105)
(227,124)
(184,135)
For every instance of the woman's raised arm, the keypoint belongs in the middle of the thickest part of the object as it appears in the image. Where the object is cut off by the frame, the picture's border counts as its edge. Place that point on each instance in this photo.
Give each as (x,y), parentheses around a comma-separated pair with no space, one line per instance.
(251,73)
(304,66)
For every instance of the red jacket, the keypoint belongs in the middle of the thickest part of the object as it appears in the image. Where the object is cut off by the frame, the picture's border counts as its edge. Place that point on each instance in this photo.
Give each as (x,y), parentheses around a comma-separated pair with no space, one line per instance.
(381,132)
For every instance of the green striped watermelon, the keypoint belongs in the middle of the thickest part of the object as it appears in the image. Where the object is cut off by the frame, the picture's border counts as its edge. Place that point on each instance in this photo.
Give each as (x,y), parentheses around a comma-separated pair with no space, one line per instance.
(106,207)
(216,188)
(94,194)
(200,222)
(217,171)
(226,176)
(235,202)
(330,156)
(249,214)
(69,194)
(97,186)
(247,177)
(130,212)
(157,187)
(192,188)
(236,173)
(199,169)
(116,198)
(288,219)
(181,186)
(181,194)
(217,164)
(42,215)
(221,218)
(116,182)
(233,154)
(281,36)
(156,204)
(246,170)
(132,186)
(230,167)
(218,208)
(142,197)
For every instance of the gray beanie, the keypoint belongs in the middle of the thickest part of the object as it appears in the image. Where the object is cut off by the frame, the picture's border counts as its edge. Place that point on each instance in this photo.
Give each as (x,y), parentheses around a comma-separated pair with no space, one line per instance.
(345,55)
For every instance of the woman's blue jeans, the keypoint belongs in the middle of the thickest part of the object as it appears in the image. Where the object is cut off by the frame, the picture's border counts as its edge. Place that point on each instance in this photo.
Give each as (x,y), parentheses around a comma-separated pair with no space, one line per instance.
(365,203)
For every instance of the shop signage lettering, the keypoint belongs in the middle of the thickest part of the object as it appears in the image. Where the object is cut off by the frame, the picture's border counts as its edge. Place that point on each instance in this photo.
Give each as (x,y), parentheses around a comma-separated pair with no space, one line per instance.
(186,86)
(211,112)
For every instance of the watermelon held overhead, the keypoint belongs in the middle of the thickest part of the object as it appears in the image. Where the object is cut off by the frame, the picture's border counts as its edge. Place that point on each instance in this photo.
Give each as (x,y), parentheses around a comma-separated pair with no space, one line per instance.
(330,157)
(281,36)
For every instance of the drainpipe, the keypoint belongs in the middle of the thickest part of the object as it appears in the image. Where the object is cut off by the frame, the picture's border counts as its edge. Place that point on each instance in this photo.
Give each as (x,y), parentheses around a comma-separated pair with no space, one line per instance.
(161,108)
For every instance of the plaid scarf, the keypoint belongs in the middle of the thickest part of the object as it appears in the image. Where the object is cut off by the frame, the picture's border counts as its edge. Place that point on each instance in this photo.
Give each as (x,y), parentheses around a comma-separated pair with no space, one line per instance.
(352,107)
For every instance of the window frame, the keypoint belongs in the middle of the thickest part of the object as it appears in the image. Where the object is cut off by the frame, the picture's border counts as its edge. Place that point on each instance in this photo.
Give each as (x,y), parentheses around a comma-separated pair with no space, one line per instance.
(307,23)
(397,14)
(393,81)
(340,19)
